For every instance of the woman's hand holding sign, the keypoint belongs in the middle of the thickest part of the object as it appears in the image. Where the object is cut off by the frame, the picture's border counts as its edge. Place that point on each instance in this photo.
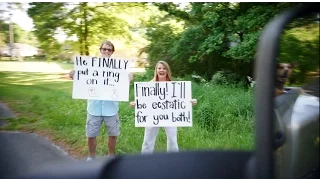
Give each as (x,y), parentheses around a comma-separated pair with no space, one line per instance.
(132,104)
(193,101)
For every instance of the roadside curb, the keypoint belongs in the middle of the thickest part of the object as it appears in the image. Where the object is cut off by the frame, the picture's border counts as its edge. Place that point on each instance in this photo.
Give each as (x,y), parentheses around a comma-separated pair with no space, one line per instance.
(5,113)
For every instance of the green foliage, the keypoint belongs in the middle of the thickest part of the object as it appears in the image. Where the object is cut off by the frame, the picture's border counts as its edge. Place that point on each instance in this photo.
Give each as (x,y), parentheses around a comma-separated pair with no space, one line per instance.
(162,32)
(219,79)
(144,77)
(20,35)
(202,38)
(216,36)
(222,108)
(2,39)
(300,46)
(89,23)
(92,23)
(47,17)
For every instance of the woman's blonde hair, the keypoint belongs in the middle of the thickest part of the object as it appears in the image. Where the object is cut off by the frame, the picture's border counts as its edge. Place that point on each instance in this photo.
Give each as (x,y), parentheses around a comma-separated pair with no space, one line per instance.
(166,65)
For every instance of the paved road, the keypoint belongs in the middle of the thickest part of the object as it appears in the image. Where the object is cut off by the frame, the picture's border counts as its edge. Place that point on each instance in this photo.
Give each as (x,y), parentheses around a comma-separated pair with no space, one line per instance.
(5,113)
(22,152)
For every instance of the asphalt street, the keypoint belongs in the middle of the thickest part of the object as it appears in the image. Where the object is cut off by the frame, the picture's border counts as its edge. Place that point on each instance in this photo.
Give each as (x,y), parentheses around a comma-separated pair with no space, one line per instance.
(24,152)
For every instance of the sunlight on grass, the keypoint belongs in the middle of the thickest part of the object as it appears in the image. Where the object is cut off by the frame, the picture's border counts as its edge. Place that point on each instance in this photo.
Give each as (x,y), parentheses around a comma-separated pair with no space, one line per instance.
(44,67)
(13,77)
(33,78)
(50,67)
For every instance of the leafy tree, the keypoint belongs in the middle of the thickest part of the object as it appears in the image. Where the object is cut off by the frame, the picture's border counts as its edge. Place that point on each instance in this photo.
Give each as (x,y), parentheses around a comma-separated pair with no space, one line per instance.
(47,17)
(219,36)
(5,11)
(300,45)
(89,22)
(20,35)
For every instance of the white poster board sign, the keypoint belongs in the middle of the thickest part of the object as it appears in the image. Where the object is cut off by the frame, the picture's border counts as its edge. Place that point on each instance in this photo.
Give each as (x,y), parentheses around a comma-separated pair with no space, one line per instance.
(101,78)
(163,104)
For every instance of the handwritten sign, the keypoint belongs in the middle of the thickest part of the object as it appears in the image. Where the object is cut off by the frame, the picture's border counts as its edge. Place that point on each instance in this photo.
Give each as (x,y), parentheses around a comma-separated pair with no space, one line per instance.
(163,104)
(101,78)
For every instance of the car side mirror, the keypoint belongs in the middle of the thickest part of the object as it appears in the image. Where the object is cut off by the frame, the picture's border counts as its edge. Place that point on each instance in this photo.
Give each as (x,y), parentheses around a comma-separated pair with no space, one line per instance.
(267,69)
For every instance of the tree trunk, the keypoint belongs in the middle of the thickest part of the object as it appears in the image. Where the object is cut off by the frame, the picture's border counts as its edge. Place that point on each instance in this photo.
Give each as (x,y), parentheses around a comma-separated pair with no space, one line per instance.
(81,38)
(210,66)
(85,34)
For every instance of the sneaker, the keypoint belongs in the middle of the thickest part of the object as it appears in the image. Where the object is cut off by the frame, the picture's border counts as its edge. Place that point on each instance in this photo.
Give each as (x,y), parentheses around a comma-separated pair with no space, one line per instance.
(90,158)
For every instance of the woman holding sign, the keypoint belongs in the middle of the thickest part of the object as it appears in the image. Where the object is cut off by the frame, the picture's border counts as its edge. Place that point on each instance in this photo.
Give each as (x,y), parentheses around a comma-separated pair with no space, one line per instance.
(102,112)
(162,73)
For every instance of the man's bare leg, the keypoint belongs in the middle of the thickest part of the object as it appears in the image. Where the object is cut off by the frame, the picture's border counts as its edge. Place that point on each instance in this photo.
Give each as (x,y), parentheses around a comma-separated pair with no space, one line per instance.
(112,141)
(92,143)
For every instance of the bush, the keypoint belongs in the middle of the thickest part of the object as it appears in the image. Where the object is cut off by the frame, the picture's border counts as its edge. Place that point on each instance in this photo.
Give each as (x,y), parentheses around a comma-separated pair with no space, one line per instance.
(219,79)
(223,107)
(144,77)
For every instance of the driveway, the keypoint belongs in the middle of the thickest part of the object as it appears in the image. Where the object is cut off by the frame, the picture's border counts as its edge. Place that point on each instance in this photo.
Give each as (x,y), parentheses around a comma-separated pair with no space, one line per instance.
(23,152)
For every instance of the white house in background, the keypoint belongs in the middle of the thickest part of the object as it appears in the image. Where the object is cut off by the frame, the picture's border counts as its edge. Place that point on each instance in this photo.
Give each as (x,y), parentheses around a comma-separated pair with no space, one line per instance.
(20,50)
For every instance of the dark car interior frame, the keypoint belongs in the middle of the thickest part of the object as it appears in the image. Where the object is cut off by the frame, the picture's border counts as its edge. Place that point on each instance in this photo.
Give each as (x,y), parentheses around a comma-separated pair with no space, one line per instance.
(212,163)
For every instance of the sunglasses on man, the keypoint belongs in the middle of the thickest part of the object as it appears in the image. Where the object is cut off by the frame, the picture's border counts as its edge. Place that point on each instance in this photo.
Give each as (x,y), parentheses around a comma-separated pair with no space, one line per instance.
(106,49)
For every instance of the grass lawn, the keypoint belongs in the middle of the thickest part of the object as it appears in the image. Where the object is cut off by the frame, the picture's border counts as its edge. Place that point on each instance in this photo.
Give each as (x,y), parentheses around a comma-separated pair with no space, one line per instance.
(43,104)
(65,65)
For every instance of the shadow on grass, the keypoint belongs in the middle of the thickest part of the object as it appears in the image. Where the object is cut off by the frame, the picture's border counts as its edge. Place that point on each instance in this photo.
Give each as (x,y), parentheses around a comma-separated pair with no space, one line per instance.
(27,78)
(21,84)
